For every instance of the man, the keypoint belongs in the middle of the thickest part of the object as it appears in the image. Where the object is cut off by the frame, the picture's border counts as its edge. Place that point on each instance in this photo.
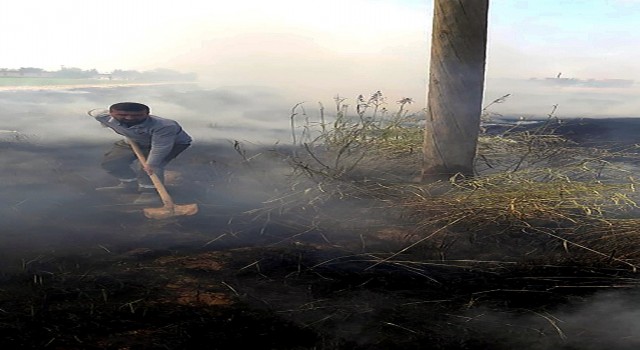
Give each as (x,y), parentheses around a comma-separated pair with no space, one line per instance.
(160,139)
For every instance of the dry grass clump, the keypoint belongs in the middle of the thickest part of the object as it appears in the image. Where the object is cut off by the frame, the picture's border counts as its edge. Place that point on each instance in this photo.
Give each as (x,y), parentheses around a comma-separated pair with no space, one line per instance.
(593,217)
(373,143)
(535,196)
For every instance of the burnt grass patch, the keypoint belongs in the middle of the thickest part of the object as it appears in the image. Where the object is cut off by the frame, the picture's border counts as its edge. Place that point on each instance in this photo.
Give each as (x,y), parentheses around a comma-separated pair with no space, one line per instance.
(83,271)
(272,298)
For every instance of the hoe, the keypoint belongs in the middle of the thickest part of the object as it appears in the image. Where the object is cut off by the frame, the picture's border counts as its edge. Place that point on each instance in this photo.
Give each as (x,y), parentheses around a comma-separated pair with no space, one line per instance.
(170,209)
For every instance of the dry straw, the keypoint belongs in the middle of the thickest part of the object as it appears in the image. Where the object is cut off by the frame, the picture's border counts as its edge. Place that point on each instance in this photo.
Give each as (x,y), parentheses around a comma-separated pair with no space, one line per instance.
(536,196)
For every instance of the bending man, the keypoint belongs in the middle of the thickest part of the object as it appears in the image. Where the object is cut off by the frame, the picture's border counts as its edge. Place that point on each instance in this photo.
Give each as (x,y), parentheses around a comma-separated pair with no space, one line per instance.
(160,139)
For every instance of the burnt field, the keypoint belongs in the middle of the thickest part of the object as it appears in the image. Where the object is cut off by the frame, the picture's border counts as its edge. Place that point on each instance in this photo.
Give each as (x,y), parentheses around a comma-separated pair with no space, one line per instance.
(273,259)
(81,270)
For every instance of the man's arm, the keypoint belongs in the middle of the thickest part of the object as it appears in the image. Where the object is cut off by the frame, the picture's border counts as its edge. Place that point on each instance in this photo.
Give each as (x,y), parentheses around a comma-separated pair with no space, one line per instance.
(102,118)
(162,141)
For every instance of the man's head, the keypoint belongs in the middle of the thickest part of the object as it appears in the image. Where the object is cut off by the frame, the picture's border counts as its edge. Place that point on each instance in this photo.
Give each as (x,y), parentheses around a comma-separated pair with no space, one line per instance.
(129,113)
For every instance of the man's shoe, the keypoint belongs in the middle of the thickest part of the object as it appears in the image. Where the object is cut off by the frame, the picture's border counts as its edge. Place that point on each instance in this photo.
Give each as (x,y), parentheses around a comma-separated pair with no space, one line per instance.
(147,189)
(122,187)
(148,198)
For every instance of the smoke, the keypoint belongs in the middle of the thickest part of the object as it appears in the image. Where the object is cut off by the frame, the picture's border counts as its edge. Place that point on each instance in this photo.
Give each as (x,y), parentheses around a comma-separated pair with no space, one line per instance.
(537,98)
(606,320)
(244,112)
(51,152)
(303,68)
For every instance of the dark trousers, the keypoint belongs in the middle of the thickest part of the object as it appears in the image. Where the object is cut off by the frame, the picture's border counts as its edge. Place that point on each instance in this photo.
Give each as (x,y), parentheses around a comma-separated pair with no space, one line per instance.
(119,159)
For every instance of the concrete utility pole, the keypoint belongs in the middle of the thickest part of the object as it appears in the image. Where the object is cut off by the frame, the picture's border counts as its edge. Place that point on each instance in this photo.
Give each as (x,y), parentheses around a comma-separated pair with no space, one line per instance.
(456,85)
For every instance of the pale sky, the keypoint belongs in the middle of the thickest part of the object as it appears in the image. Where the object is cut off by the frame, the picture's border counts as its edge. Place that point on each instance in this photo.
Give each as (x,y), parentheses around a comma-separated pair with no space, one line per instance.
(317,48)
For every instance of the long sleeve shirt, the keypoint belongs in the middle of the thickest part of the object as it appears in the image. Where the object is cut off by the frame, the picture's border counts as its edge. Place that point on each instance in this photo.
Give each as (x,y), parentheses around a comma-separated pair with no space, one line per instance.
(159,134)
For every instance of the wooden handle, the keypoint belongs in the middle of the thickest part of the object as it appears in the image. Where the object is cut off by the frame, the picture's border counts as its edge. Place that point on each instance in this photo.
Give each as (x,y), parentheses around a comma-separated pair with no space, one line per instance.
(162,191)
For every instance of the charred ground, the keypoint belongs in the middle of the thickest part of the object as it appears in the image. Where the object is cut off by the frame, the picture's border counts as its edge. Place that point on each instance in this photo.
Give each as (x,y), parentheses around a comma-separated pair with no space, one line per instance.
(84,271)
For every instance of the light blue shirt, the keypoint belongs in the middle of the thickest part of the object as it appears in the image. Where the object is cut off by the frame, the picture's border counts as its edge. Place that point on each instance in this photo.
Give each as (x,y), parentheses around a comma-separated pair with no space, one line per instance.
(158,133)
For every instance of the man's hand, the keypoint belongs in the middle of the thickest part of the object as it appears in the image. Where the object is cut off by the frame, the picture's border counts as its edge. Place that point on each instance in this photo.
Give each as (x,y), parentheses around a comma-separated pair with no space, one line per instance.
(147,169)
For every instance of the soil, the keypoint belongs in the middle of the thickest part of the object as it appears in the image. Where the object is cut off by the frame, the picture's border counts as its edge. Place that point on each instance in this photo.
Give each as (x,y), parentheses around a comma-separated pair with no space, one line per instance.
(82,270)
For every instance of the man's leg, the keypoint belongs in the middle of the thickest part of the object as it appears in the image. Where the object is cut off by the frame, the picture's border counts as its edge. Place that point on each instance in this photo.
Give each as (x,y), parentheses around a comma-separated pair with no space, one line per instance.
(148,190)
(117,162)
(144,180)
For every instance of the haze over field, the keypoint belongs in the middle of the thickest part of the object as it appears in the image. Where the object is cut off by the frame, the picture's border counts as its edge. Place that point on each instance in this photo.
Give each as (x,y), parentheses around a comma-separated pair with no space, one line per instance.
(256,60)
(311,51)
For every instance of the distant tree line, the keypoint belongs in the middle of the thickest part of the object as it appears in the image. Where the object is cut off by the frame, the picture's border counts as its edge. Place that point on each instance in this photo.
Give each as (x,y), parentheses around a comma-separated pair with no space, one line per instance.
(162,74)
(596,83)
(156,74)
